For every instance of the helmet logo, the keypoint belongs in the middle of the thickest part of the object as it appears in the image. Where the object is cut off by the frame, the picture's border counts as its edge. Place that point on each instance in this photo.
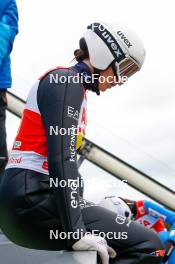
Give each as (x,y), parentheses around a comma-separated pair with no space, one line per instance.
(124,38)
(112,44)
(109,39)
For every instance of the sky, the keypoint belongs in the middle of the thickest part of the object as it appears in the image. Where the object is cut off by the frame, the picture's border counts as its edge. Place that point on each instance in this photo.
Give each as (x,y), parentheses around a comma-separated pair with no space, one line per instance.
(134,121)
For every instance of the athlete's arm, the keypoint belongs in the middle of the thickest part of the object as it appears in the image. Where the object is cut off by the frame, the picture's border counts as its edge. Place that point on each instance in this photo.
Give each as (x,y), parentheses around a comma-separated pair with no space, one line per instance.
(8,29)
(55,101)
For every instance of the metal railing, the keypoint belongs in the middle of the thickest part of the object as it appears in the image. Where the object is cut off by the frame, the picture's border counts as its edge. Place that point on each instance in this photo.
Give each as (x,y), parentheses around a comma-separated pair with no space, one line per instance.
(113,165)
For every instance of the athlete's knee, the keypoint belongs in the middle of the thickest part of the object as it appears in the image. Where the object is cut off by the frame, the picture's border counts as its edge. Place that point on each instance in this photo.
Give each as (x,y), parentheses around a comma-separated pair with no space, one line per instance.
(153,245)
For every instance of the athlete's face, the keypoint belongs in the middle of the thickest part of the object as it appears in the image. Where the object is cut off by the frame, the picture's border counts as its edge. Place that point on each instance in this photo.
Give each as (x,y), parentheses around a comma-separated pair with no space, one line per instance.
(107,79)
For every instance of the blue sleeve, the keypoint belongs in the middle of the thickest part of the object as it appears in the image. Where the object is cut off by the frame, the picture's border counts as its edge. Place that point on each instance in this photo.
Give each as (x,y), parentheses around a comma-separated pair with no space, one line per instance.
(8,29)
(172,233)
(167,215)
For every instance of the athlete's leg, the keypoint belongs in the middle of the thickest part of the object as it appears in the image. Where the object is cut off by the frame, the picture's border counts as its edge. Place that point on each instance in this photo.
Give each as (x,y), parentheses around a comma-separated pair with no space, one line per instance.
(141,245)
(28,213)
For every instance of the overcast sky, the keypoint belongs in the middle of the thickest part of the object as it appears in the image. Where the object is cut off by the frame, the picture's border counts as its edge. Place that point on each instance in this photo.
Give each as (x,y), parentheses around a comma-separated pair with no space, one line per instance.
(135,121)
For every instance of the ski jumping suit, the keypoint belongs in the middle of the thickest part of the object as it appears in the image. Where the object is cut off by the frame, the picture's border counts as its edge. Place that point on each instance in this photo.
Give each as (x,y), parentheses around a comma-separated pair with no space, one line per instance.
(30,208)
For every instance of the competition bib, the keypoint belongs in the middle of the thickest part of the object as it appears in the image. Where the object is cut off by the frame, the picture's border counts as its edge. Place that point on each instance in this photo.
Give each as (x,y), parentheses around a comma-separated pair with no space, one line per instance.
(147,221)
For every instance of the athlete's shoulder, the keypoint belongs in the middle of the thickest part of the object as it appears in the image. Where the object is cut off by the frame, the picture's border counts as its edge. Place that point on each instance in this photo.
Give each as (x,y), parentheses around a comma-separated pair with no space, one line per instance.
(58,71)
(61,80)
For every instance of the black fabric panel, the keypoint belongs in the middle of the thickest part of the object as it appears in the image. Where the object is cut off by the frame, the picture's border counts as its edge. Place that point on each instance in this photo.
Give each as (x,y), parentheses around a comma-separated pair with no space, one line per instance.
(28,212)
(53,101)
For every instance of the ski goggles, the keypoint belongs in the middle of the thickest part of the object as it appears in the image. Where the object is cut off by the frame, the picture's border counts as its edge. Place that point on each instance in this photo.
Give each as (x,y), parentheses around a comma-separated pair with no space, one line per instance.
(125,69)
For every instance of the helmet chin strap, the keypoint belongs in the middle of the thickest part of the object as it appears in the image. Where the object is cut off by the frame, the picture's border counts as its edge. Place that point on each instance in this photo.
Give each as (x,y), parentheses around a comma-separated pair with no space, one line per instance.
(96,82)
(97,91)
(93,86)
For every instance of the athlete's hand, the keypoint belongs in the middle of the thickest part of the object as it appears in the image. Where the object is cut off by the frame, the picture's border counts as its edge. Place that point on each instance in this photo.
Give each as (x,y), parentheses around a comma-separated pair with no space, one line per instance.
(91,242)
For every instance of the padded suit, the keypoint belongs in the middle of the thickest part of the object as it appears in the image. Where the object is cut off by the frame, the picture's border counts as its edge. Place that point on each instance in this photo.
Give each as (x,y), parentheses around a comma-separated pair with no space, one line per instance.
(30,208)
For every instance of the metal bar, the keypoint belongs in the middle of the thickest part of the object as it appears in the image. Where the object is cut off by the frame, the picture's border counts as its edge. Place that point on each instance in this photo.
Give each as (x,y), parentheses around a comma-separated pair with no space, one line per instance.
(114,165)
(134,177)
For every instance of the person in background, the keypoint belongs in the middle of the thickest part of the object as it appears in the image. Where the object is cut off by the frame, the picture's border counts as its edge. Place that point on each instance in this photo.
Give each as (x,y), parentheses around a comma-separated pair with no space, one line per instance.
(150,215)
(8,31)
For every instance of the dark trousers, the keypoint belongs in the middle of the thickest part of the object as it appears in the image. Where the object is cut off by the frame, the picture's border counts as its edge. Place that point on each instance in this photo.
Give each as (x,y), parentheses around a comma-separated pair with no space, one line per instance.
(3,144)
(28,213)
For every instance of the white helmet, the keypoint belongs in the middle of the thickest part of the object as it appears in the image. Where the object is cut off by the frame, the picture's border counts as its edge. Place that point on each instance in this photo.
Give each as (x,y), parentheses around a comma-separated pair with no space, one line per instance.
(115,46)
(116,205)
